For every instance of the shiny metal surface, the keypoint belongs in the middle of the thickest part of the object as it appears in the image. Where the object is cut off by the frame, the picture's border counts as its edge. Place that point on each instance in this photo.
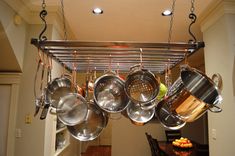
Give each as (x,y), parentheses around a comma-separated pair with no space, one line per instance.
(56,89)
(91,128)
(109,93)
(167,118)
(72,109)
(155,55)
(150,105)
(141,86)
(192,94)
(138,115)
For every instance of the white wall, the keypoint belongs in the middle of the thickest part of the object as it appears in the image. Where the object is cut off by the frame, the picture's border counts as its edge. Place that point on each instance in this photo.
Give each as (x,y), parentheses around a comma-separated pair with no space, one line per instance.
(16,33)
(219,36)
(130,140)
(5,93)
(32,140)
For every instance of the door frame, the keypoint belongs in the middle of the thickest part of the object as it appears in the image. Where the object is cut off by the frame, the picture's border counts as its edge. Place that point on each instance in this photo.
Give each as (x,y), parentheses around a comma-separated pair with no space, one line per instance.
(12,79)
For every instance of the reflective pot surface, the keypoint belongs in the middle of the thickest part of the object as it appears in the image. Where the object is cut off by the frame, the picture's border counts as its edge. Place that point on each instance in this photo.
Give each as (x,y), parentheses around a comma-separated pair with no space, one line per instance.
(139,115)
(192,94)
(141,86)
(91,128)
(167,118)
(109,93)
(56,89)
(72,109)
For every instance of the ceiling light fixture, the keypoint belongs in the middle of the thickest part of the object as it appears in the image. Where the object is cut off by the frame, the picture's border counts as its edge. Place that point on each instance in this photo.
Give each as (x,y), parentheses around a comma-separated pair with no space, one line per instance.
(97,11)
(167,12)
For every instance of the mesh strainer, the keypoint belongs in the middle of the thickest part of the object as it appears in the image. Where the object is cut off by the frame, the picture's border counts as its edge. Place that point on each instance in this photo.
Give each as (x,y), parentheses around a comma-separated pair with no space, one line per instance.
(141,85)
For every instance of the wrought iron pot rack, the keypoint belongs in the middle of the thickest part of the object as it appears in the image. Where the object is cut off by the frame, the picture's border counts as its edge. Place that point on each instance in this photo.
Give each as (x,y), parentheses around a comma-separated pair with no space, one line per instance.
(119,54)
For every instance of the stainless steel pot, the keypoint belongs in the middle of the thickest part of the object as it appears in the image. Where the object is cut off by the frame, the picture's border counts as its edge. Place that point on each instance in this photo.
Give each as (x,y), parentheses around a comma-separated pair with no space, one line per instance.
(141,85)
(109,93)
(137,115)
(95,121)
(192,94)
(160,96)
(72,109)
(57,88)
(167,118)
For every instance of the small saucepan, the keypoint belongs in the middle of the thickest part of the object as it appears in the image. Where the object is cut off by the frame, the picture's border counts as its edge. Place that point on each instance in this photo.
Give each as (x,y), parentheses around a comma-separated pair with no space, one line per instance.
(109,93)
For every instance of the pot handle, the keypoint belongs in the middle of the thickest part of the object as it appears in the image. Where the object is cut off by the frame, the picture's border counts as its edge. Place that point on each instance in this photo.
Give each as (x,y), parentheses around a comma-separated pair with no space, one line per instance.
(55,111)
(184,67)
(217,110)
(136,67)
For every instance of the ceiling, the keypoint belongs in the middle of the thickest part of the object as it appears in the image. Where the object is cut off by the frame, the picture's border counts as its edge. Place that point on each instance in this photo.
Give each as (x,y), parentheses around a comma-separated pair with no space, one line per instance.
(127,20)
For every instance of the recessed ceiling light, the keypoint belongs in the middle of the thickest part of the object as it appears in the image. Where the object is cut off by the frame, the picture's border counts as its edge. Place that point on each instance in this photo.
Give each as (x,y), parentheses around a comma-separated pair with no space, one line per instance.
(97,11)
(167,12)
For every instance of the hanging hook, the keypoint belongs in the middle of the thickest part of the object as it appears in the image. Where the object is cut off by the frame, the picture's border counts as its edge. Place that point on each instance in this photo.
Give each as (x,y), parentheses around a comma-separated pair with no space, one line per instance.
(42,15)
(141,57)
(193,19)
(110,62)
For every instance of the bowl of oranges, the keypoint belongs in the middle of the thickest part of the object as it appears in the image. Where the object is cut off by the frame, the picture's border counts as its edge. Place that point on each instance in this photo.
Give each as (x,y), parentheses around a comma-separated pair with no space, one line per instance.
(183,143)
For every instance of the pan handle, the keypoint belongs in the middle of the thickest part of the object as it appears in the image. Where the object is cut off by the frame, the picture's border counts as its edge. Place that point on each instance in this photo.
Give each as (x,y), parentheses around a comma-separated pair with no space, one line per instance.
(44,111)
(55,111)
(217,110)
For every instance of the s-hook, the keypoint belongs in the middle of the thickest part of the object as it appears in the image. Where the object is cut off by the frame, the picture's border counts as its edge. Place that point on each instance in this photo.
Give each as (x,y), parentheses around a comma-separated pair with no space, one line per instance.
(42,15)
(193,18)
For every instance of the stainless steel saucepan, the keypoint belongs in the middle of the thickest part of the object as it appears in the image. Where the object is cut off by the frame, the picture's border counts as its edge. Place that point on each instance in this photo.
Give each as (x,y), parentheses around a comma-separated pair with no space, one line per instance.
(109,93)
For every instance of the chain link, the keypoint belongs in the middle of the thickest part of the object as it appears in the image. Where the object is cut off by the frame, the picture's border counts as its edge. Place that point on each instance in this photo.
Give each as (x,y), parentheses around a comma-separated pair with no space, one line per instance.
(63,16)
(171,21)
(193,19)
(192,9)
(43,5)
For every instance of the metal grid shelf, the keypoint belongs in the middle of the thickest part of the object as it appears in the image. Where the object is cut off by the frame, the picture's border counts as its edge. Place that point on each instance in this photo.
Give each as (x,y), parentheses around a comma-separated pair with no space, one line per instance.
(119,55)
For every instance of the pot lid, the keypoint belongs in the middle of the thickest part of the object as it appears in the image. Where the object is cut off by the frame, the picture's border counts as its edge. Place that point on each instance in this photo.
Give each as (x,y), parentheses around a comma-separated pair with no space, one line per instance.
(167,118)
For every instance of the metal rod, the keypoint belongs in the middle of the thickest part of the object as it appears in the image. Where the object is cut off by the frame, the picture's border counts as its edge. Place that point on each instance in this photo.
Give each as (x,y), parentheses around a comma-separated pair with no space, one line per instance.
(126,53)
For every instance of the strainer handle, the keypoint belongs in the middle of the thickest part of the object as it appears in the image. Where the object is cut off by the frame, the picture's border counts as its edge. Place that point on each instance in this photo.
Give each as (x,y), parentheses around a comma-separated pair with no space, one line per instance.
(110,72)
(135,67)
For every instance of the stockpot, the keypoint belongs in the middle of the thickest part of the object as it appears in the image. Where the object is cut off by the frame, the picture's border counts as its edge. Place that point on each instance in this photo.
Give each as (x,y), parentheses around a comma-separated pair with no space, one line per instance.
(192,94)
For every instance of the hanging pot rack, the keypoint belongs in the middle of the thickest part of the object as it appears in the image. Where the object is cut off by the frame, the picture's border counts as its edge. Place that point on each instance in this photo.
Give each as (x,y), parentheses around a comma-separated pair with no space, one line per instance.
(124,53)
